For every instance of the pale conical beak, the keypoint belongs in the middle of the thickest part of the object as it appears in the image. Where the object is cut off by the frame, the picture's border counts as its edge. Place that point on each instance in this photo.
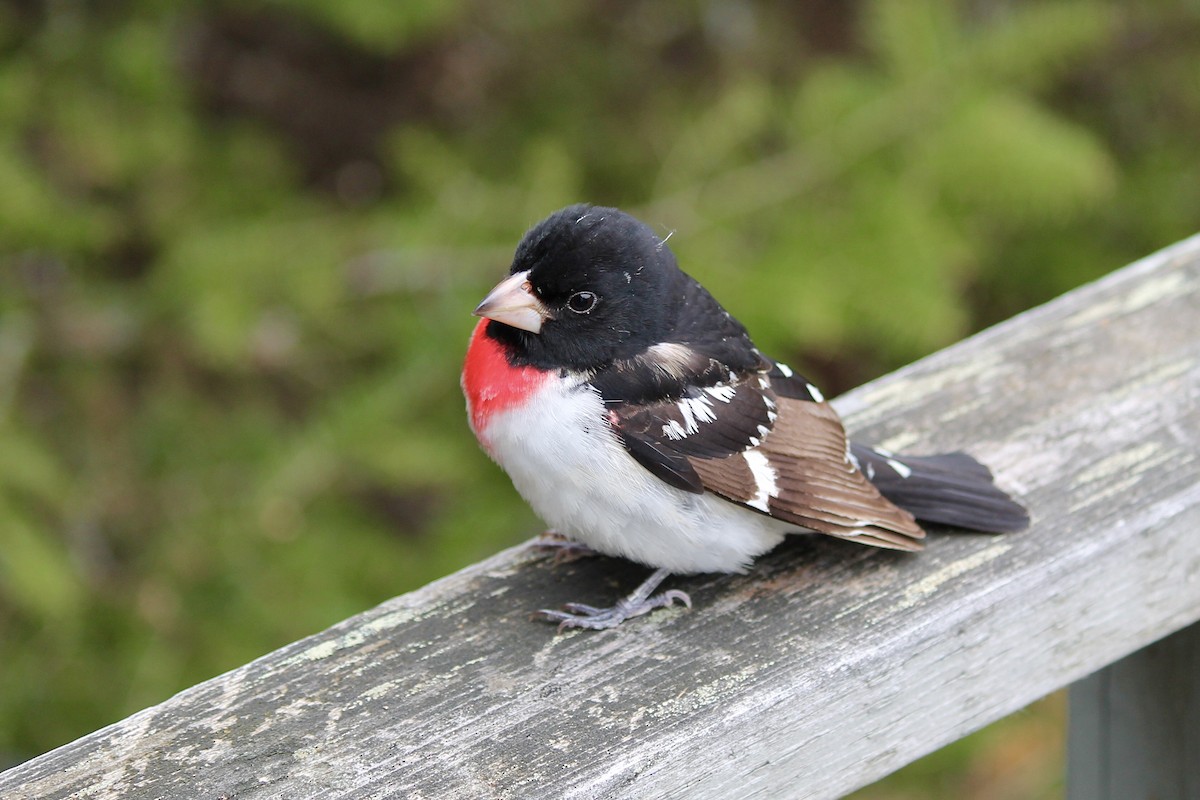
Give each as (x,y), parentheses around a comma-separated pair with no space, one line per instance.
(513,303)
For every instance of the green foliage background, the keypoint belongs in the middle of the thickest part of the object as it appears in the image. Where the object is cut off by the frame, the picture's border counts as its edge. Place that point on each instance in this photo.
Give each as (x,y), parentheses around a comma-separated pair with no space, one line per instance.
(239,244)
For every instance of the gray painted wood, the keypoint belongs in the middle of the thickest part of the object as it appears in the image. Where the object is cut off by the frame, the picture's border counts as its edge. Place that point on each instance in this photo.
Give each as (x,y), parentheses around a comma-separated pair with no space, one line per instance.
(1135,725)
(825,668)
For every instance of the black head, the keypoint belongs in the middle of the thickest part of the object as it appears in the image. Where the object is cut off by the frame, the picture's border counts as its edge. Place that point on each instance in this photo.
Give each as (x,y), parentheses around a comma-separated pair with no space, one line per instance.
(587,286)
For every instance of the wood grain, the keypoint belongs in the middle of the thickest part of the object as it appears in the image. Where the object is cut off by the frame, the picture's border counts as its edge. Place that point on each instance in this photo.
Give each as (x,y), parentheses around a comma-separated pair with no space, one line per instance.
(825,668)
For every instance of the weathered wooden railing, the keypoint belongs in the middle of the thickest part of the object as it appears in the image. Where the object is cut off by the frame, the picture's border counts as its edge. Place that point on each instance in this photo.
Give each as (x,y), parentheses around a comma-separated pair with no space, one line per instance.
(825,668)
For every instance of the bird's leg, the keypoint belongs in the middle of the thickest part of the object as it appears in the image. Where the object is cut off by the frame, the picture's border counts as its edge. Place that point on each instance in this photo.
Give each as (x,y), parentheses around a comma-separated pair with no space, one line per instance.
(564,549)
(642,601)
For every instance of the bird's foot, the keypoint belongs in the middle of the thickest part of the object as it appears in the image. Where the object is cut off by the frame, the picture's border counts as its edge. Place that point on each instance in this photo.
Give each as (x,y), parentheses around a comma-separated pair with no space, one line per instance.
(578,615)
(564,549)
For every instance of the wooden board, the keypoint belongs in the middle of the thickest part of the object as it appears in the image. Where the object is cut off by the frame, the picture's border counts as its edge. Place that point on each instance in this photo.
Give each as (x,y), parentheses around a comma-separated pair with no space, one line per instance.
(825,668)
(1133,725)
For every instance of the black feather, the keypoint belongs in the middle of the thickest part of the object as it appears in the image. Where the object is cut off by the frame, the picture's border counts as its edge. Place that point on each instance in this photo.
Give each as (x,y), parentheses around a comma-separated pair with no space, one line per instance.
(668,466)
(947,489)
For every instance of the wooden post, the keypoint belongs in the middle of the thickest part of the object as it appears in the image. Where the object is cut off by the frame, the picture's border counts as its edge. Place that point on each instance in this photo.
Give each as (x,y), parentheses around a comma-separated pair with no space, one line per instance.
(1134,726)
(824,668)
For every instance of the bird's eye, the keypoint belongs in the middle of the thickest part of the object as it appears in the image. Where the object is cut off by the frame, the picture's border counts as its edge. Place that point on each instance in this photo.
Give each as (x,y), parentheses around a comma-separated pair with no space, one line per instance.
(582,302)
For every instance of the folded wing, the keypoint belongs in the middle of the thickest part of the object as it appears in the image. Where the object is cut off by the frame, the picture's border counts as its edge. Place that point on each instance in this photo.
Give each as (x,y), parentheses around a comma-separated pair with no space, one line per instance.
(761,437)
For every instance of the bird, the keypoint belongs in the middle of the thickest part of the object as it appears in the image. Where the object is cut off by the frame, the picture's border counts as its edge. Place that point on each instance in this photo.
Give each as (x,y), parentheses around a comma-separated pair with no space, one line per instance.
(637,418)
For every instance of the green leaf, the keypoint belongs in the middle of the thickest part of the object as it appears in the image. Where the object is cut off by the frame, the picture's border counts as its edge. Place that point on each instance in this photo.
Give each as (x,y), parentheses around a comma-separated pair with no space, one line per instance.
(913,37)
(1030,43)
(35,571)
(385,27)
(1009,159)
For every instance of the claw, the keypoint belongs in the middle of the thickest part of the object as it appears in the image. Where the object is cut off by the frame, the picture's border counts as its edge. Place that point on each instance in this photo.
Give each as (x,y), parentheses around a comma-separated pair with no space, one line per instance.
(676,594)
(583,608)
(580,615)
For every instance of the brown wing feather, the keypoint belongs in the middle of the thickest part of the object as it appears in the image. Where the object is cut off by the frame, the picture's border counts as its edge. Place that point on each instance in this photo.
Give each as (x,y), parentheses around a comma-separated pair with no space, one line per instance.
(816,486)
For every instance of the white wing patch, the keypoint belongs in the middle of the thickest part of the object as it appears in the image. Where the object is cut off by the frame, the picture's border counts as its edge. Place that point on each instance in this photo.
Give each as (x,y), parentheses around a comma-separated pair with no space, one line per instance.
(674,431)
(696,410)
(765,486)
(721,392)
(814,393)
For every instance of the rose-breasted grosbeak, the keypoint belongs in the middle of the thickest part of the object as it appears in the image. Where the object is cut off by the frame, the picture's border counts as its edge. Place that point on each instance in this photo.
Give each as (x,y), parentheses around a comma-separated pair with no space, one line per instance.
(635,416)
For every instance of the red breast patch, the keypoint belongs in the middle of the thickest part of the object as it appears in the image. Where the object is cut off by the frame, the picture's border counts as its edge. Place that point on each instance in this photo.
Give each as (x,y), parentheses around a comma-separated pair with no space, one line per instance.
(491,384)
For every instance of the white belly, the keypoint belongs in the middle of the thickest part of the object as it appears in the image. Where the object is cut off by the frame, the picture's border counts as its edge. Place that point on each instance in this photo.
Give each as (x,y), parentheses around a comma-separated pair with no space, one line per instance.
(569,466)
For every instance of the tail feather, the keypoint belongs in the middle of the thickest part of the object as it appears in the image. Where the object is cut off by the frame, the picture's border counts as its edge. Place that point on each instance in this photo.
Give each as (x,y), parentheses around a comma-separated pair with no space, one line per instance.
(948,489)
